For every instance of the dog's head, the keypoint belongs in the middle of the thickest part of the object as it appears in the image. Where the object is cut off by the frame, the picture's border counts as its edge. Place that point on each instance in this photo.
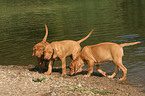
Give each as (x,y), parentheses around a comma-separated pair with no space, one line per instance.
(38,49)
(76,65)
(48,51)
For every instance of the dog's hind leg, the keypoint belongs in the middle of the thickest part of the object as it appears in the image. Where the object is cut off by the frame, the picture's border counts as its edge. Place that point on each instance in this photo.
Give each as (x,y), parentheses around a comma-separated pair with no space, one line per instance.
(117,69)
(121,66)
(124,72)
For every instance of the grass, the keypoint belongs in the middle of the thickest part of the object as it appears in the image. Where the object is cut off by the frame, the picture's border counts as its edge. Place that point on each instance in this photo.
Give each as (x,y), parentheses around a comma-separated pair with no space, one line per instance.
(94,91)
(38,80)
(103,92)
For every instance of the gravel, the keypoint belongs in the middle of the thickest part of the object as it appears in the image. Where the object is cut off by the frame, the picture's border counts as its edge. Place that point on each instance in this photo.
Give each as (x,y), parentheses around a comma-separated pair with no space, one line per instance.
(21,81)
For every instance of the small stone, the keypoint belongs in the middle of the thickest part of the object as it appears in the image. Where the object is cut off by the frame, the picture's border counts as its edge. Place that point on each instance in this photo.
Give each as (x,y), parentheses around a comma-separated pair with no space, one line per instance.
(53,94)
(79,85)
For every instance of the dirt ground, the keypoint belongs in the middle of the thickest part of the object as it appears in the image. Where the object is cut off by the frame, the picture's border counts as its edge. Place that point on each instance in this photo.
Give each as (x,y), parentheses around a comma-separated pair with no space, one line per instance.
(26,81)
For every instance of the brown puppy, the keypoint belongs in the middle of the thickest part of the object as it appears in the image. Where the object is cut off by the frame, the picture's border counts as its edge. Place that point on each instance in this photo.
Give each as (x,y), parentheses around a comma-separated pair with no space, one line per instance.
(62,49)
(100,53)
(38,51)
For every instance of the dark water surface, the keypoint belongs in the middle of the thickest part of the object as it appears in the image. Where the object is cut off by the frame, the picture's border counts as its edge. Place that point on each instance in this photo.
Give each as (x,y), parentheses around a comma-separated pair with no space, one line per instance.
(120,21)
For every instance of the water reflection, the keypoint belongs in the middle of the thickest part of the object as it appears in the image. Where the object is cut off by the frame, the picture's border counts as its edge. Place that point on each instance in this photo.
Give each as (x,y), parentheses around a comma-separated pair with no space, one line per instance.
(22,26)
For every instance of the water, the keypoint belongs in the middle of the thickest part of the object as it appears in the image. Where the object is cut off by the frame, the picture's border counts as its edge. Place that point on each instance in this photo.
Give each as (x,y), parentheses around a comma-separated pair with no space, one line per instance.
(120,21)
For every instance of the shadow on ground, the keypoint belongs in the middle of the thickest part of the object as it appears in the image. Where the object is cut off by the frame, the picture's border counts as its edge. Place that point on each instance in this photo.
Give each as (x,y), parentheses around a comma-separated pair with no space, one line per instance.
(59,70)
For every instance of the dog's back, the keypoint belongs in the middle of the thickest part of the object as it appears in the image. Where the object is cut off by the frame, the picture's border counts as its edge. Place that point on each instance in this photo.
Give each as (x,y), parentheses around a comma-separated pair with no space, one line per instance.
(103,52)
(66,47)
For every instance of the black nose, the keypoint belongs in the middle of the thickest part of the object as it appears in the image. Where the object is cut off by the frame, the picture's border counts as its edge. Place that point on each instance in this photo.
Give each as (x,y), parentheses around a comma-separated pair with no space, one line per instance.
(37,55)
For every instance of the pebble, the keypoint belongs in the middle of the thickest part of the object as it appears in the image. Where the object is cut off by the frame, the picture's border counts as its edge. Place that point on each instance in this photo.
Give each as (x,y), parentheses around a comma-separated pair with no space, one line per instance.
(16,81)
(53,94)
(79,85)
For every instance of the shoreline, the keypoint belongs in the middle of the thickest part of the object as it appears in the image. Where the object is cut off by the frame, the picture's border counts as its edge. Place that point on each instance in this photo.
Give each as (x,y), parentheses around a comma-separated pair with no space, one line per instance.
(19,80)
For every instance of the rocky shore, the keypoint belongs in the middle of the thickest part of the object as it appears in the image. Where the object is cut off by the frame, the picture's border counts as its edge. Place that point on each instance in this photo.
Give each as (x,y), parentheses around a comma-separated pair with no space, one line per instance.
(24,81)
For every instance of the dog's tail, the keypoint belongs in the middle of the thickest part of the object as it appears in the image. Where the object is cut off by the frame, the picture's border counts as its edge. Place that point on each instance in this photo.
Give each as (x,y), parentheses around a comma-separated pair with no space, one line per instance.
(85,37)
(46,34)
(128,44)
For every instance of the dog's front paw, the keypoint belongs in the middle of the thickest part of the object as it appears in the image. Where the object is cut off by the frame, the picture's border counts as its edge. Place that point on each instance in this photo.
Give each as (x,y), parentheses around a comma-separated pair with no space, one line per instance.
(47,73)
(122,79)
(36,72)
(86,76)
(110,76)
(63,74)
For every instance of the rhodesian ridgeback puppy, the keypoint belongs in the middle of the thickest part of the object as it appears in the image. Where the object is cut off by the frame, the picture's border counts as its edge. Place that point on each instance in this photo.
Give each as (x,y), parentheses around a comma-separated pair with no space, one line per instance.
(61,50)
(100,53)
(38,51)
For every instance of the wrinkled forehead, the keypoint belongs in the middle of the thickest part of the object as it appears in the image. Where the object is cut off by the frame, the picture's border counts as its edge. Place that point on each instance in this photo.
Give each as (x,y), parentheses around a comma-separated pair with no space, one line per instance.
(48,47)
(39,46)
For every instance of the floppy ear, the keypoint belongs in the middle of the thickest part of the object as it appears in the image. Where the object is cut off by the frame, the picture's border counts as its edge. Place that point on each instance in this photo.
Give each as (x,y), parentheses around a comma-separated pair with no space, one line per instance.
(79,64)
(76,67)
(54,55)
(71,68)
(71,65)
(58,49)
(76,64)
(33,51)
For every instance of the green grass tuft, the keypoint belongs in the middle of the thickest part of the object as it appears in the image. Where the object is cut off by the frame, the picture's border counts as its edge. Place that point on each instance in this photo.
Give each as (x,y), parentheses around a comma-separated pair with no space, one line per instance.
(94,91)
(38,80)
